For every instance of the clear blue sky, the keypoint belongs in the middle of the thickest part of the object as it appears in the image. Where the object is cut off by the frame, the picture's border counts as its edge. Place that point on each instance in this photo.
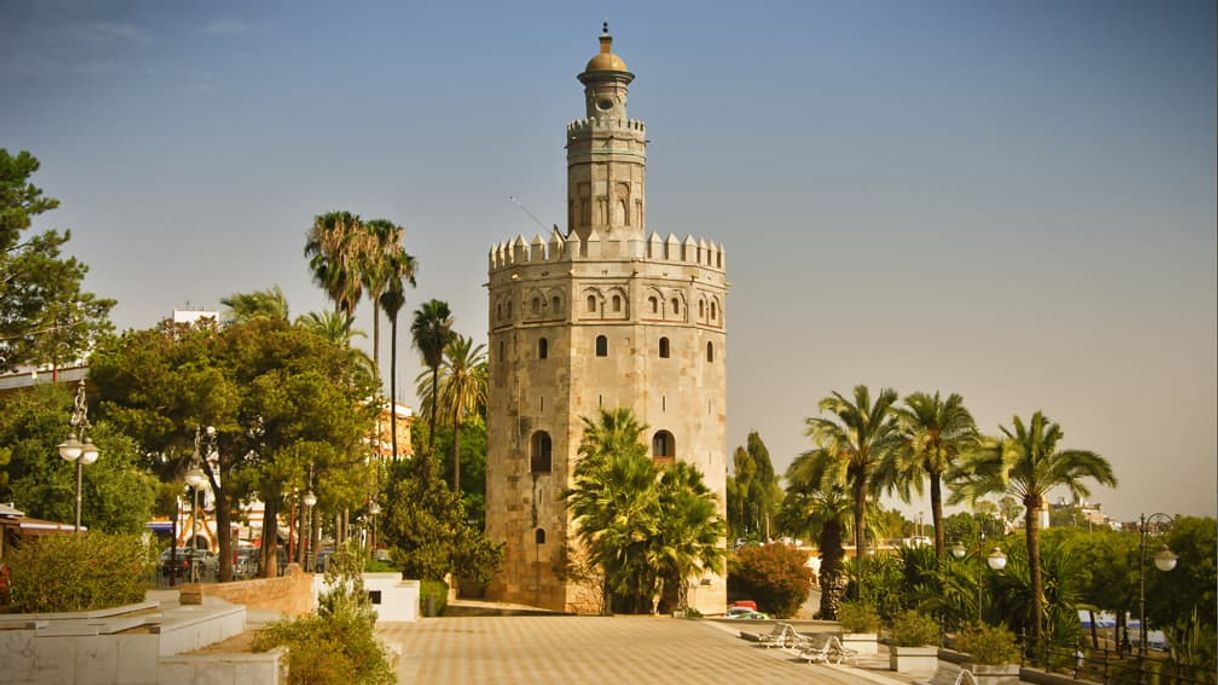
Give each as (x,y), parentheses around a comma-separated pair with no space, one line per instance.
(1014,201)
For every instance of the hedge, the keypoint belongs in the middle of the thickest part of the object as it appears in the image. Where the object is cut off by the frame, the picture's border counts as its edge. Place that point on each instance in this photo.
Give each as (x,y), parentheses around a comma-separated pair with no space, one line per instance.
(79,572)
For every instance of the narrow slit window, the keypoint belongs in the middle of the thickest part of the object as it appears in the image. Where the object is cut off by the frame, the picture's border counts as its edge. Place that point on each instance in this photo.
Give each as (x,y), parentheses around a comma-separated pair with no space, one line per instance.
(602,346)
(710,351)
(664,348)
(543,348)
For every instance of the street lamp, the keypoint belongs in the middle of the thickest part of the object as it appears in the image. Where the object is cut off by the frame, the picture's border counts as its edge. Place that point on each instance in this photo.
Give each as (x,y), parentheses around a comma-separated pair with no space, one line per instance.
(1164,561)
(309,501)
(996,561)
(373,510)
(196,479)
(72,449)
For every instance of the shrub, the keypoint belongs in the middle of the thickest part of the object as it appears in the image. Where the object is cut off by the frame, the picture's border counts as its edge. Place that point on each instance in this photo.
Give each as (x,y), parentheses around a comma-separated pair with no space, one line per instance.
(988,645)
(433,596)
(79,572)
(337,644)
(856,617)
(911,629)
(775,576)
(378,566)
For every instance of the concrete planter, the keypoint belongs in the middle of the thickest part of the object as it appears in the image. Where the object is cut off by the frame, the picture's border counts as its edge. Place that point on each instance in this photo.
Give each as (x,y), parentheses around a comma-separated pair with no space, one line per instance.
(913,659)
(1005,674)
(863,643)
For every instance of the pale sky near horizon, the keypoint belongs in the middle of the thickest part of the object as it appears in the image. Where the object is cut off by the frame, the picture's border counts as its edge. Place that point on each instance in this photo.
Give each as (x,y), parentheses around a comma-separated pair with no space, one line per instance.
(1010,200)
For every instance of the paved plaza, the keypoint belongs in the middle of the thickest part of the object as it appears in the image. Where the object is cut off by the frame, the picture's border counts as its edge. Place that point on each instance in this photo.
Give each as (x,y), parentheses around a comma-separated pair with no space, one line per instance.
(591,649)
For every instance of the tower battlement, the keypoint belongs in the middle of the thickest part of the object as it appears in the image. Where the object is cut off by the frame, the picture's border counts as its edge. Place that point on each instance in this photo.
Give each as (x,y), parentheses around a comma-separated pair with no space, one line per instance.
(587,124)
(520,252)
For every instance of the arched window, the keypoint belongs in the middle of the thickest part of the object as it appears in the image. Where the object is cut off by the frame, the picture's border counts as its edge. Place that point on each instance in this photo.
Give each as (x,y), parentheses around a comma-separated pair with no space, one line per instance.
(539,453)
(555,304)
(509,309)
(655,305)
(536,305)
(676,306)
(539,536)
(617,303)
(710,351)
(714,310)
(701,309)
(663,348)
(499,311)
(543,348)
(500,350)
(663,446)
(602,346)
(592,303)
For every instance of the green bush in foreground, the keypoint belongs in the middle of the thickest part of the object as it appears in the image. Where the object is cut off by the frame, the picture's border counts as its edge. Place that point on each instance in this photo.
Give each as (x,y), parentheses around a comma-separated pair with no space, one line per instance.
(79,572)
(912,629)
(856,617)
(337,644)
(988,645)
(433,597)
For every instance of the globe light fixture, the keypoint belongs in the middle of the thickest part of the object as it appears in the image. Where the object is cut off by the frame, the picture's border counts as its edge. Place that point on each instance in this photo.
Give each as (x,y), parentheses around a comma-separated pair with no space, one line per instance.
(997,560)
(79,450)
(374,509)
(309,499)
(1165,560)
(958,550)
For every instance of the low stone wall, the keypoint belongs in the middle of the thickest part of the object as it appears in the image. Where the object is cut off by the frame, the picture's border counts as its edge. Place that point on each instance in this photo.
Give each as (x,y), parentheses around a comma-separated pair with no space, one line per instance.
(264,668)
(292,593)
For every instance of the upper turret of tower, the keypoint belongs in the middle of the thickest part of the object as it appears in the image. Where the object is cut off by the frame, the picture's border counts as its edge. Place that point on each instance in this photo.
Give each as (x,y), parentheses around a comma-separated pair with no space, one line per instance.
(605,80)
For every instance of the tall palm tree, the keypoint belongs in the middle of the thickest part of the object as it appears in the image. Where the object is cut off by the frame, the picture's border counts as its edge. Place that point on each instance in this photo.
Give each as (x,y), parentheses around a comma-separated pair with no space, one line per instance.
(932,434)
(339,329)
(269,304)
(431,330)
(392,301)
(811,512)
(464,388)
(850,446)
(690,529)
(614,500)
(1027,463)
(333,245)
(382,261)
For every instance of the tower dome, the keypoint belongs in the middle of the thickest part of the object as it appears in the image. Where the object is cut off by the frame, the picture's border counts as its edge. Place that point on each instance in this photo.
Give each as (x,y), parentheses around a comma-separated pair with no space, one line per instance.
(605,60)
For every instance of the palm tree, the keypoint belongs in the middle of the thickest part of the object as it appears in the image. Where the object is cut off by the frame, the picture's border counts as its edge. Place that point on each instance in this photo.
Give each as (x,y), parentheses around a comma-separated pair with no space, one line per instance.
(1027,463)
(850,447)
(932,435)
(823,514)
(339,329)
(269,304)
(689,532)
(383,261)
(614,501)
(431,330)
(392,301)
(334,245)
(464,388)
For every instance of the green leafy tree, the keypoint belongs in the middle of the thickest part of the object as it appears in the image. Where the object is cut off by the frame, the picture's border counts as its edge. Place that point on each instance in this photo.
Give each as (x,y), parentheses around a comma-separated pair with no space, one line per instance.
(431,330)
(45,316)
(428,530)
(1027,463)
(473,463)
(1172,597)
(932,434)
(117,495)
(850,446)
(754,495)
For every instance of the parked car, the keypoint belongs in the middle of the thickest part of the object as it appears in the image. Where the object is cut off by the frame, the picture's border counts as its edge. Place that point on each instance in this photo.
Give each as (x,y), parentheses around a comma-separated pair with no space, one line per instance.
(247,562)
(742,613)
(205,560)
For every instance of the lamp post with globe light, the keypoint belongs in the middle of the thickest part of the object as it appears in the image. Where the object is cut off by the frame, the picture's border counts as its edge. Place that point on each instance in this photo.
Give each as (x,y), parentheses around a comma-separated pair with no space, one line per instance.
(309,501)
(1164,560)
(80,450)
(197,480)
(996,561)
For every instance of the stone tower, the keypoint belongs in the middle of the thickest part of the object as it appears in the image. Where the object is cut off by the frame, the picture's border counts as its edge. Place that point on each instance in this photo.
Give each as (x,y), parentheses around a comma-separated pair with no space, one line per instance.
(604,315)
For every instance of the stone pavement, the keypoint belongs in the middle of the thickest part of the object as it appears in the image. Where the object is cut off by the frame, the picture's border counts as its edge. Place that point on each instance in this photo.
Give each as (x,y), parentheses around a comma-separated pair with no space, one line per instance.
(623,650)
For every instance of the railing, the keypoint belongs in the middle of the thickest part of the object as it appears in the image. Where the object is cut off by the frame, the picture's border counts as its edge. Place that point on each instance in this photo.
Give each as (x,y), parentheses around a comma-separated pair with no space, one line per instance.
(1113,666)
